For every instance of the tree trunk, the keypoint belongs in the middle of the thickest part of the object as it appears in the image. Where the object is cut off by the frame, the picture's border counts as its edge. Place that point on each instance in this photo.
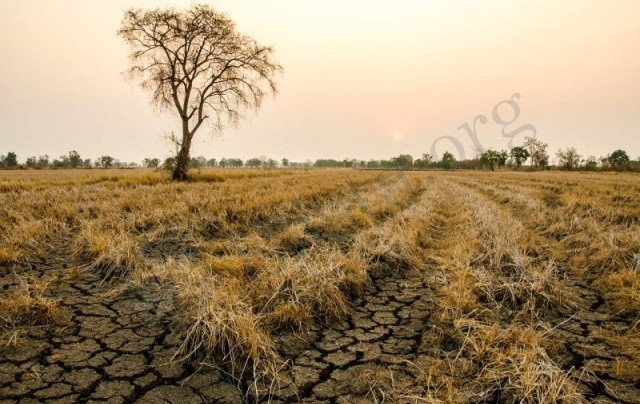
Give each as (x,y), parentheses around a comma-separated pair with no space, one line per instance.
(182,159)
(182,165)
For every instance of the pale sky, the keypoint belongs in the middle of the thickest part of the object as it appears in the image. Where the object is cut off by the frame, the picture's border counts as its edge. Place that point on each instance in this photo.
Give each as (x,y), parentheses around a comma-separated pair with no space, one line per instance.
(363,79)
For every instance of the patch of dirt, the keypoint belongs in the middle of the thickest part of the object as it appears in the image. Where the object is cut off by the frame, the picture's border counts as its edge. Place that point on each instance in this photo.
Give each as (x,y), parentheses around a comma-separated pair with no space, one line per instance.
(114,348)
(375,350)
(582,346)
(170,248)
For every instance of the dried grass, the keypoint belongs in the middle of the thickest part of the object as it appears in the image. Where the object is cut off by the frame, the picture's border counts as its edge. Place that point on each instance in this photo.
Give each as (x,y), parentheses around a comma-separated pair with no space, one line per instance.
(27,306)
(285,250)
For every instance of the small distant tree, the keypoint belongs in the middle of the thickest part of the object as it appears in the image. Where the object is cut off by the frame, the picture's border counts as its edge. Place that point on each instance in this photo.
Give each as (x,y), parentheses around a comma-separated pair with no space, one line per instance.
(197,63)
(253,163)
(448,159)
(503,157)
(194,163)
(271,163)
(235,162)
(285,162)
(87,163)
(544,161)
(31,162)
(537,151)
(64,161)
(43,161)
(403,160)
(10,160)
(74,159)
(105,161)
(568,159)
(328,163)
(491,158)
(591,163)
(373,164)
(519,155)
(151,162)
(169,163)
(619,160)
(424,161)
(212,163)
(197,162)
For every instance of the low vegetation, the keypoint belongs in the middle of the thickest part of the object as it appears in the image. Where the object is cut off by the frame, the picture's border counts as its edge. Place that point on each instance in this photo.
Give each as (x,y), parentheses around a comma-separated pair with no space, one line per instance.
(513,261)
(27,305)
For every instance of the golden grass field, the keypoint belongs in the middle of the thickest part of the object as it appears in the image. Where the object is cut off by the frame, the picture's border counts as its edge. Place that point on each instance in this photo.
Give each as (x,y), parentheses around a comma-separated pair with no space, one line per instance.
(311,285)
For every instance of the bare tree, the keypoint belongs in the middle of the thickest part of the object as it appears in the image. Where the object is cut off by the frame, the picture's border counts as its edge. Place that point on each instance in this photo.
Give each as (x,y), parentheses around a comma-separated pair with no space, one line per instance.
(568,159)
(198,63)
(537,151)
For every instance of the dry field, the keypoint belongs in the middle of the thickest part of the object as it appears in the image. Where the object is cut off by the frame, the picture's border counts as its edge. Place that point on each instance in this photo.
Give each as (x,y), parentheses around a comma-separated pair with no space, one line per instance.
(319,285)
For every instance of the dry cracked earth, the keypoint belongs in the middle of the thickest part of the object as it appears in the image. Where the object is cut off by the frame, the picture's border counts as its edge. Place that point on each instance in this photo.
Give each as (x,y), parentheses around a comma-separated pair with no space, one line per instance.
(118,347)
(112,347)
(363,358)
(582,347)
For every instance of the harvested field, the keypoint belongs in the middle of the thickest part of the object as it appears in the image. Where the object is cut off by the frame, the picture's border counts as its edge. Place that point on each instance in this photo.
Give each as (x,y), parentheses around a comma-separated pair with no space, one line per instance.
(319,286)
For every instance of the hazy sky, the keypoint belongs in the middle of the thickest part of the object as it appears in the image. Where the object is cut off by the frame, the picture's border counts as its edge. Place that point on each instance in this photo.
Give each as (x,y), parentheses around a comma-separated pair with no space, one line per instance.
(363,79)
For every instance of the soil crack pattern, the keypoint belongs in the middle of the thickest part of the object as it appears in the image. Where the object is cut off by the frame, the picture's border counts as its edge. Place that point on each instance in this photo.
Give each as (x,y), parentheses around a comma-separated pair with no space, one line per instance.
(113,348)
(119,348)
(343,362)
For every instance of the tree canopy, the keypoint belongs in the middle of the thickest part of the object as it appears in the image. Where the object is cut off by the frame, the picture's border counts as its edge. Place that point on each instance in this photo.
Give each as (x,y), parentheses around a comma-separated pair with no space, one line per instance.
(198,64)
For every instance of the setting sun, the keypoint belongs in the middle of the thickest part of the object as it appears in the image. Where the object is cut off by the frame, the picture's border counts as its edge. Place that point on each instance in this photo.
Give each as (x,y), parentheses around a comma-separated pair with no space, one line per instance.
(397,136)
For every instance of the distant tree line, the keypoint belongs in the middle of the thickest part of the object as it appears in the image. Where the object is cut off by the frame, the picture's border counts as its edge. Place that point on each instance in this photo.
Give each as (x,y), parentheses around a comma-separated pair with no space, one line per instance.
(70,160)
(74,160)
(532,155)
